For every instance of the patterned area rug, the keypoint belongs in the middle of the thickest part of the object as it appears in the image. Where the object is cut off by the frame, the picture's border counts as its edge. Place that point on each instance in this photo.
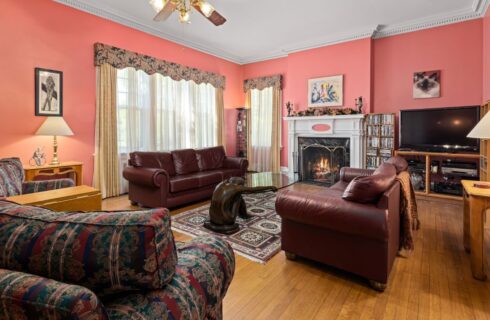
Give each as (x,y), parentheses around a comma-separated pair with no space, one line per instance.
(259,238)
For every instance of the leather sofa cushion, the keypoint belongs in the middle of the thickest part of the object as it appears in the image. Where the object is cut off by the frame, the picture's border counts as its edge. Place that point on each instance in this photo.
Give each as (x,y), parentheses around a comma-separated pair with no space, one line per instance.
(195,180)
(209,178)
(184,182)
(185,161)
(400,164)
(369,189)
(156,160)
(107,252)
(210,158)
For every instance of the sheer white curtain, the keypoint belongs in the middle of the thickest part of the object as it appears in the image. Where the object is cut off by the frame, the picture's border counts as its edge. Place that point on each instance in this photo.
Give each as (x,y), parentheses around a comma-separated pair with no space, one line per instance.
(261,111)
(156,113)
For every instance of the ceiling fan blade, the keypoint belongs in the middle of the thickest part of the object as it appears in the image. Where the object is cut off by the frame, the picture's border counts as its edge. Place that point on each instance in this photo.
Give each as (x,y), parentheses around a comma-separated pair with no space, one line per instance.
(216,18)
(165,12)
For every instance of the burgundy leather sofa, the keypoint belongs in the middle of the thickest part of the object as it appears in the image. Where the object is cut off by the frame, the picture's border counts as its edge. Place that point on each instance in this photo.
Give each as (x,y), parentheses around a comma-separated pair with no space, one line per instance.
(170,179)
(359,237)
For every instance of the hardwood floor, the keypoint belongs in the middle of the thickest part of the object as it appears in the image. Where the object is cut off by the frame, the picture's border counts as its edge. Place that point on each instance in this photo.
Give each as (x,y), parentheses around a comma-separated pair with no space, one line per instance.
(435,282)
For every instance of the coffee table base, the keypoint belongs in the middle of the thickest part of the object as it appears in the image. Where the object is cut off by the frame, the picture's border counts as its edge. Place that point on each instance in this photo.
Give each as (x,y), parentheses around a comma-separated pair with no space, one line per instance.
(224,229)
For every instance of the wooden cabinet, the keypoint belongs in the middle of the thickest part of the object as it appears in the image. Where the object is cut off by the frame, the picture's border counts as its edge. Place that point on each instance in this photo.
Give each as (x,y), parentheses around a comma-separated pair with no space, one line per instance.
(427,172)
(484,149)
(71,169)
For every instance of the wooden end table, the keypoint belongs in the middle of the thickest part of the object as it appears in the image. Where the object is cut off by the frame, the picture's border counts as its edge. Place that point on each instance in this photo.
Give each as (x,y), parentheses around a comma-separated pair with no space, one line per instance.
(79,198)
(476,203)
(74,168)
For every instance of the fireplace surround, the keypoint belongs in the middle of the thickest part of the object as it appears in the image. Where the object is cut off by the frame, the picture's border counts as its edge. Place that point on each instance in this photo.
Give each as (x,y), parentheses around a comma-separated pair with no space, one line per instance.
(343,127)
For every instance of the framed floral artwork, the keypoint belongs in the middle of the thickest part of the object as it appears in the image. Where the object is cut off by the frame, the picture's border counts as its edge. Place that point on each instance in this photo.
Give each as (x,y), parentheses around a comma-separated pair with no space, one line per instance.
(326,91)
(49,92)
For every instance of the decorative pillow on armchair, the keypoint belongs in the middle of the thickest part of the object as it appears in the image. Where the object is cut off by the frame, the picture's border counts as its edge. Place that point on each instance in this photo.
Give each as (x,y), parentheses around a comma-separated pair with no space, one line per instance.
(11,177)
(107,252)
(370,188)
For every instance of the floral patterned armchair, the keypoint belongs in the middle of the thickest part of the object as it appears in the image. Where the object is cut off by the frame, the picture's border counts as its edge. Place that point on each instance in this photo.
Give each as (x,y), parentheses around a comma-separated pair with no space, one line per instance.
(12,180)
(107,265)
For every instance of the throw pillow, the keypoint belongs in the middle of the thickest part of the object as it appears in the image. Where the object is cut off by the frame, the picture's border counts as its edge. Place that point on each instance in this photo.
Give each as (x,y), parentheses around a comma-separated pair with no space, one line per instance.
(369,189)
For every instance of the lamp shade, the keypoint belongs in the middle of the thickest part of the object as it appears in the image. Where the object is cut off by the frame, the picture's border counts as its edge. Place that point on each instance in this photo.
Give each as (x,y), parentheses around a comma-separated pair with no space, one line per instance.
(54,126)
(482,129)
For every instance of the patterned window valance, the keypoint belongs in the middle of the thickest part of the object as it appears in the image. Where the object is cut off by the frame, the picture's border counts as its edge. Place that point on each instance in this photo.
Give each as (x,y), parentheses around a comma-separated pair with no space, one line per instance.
(262,83)
(121,58)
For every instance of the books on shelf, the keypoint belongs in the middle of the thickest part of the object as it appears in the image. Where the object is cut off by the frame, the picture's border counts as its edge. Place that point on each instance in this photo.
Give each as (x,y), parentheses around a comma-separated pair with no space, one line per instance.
(380,138)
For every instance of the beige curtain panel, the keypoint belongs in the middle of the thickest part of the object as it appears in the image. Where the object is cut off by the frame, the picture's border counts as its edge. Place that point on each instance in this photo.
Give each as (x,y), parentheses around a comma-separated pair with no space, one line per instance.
(220,116)
(121,58)
(264,101)
(106,169)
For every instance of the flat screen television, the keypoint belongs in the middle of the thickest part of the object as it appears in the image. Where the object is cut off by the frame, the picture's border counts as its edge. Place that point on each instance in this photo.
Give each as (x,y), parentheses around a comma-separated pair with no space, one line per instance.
(439,130)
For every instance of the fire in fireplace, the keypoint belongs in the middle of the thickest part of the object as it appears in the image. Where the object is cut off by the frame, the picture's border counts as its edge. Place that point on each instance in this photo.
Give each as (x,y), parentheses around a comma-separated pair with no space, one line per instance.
(320,159)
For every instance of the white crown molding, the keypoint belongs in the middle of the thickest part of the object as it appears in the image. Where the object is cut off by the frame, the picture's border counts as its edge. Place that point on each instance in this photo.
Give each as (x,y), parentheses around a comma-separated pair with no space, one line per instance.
(132,23)
(478,10)
(427,23)
(481,7)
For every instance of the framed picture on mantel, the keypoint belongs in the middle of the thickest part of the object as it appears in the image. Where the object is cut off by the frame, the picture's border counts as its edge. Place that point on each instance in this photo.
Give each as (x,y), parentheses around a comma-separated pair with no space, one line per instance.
(49,92)
(326,92)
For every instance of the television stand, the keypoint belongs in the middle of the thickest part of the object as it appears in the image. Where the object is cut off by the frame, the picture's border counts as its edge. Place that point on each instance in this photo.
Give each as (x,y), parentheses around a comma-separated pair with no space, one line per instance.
(439,174)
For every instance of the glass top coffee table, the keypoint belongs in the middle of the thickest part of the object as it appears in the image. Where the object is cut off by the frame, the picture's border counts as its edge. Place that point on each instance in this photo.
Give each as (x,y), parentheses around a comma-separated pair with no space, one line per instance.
(227,202)
(266,179)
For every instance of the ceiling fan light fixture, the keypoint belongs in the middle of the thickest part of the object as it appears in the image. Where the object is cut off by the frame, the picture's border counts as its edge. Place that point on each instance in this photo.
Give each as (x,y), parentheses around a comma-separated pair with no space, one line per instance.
(185,17)
(157,5)
(206,8)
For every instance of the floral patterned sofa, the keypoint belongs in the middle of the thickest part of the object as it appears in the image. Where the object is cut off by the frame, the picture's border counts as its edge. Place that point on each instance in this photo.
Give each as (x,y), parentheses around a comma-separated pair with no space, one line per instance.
(107,265)
(12,180)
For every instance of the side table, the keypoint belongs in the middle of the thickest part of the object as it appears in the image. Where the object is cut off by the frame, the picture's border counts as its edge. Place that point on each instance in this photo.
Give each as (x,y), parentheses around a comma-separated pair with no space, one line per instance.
(72,168)
(476,203)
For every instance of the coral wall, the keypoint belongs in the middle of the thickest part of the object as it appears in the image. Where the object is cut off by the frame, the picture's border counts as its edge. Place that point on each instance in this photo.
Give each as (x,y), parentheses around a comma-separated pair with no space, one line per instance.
(64,41)
(486,57)
(379,70)
(382,70)
(455,49)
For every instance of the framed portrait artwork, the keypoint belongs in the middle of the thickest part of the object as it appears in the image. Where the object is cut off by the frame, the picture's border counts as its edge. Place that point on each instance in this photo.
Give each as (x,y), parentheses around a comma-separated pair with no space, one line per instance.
(326,92)
(49,92)
(427,84)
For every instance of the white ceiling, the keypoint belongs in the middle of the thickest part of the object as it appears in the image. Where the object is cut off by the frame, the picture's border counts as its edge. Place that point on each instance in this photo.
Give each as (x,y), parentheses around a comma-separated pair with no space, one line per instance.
(263,29)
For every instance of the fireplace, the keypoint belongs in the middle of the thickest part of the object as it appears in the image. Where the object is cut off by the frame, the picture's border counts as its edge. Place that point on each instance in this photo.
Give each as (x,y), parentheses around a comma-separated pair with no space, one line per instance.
(321,158)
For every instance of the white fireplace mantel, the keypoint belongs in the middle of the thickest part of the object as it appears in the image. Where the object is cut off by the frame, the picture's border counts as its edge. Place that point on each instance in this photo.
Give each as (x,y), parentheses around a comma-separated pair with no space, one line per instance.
(341,126)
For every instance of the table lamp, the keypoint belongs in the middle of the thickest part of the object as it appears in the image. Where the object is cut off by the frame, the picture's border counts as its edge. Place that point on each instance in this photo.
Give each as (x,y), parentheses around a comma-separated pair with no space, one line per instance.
(54,126)
(481,131)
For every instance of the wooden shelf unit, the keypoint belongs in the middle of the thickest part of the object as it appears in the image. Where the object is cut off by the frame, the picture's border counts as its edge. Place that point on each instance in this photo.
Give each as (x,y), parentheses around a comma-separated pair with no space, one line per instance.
(380,138)
(484,149)
(428,157)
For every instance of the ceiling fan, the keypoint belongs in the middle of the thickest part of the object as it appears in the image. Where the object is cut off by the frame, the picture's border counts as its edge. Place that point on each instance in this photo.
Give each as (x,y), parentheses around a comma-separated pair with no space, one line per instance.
(165,8)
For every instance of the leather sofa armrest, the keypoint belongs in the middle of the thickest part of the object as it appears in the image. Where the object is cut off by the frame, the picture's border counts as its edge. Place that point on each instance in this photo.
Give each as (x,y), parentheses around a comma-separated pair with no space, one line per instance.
(236,163)
(348,174)
(333,213)
(147,177)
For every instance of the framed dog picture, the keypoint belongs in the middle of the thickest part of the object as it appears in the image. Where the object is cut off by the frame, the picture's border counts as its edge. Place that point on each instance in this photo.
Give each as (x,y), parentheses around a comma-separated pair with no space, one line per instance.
(49,92)
(427,84)
(326,92)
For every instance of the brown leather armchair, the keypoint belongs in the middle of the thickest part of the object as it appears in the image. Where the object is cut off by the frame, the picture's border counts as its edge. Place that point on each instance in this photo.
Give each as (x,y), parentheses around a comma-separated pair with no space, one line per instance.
(170,179)
(362,238)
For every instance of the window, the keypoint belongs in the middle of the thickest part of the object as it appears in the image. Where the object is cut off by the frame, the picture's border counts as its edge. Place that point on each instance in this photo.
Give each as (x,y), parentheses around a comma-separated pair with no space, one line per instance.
(261,105)
(156,113)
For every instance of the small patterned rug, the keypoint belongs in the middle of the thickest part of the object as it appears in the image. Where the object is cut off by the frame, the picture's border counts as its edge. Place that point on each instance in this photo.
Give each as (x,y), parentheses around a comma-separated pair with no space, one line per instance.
(259,237)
